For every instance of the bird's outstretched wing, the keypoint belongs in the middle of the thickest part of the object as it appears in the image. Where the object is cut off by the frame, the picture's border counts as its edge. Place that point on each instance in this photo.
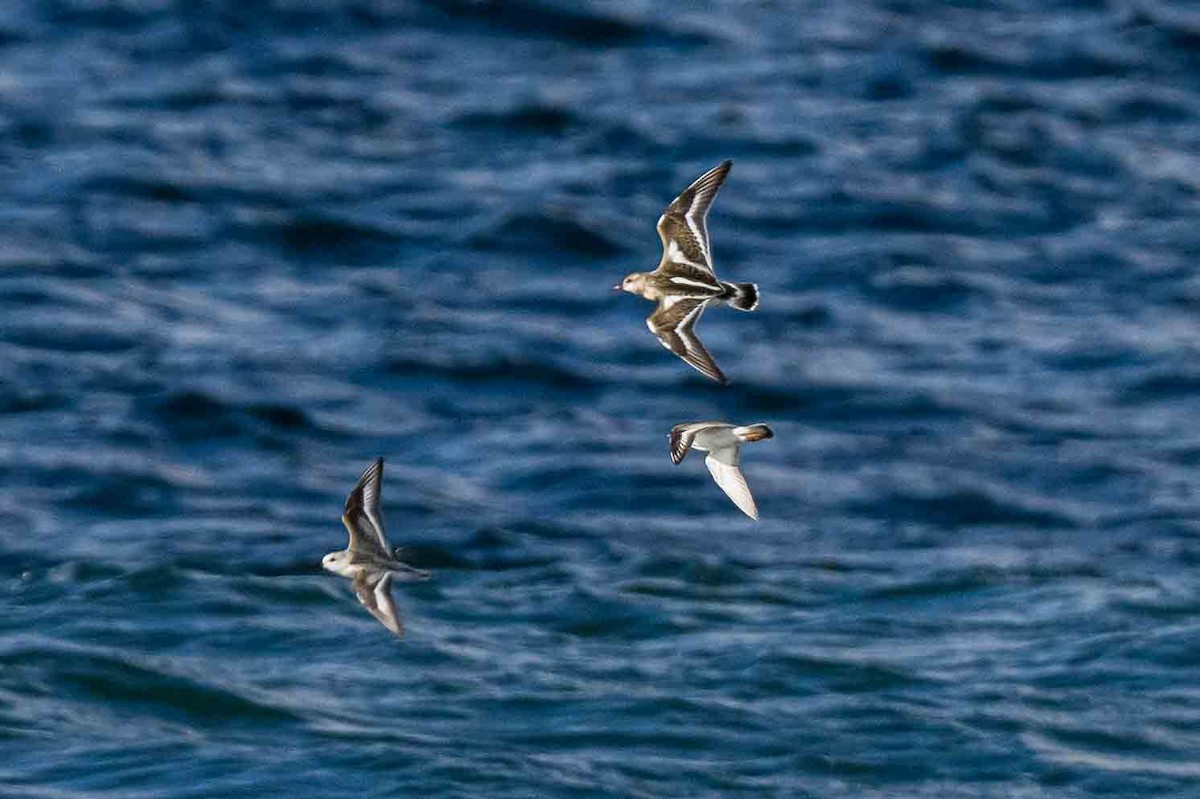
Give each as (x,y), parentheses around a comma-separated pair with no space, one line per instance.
(374,591)
(683,228)
(682,436)
(673,323)
(362,515)
(723,466)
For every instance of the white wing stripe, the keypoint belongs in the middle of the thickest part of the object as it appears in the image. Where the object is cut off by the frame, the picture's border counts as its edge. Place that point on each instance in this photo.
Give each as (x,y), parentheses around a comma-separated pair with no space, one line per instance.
(385,606)
(675,255)
(683,325)
(701,201)
(698,230)
(683,281)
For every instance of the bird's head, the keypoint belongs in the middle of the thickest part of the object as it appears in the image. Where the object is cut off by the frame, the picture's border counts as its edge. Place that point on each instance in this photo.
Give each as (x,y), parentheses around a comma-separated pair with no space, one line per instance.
(333,561)
(634,283)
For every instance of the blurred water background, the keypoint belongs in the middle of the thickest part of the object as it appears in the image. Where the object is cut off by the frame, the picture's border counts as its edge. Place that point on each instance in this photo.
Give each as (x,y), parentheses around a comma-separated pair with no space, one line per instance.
(245,247)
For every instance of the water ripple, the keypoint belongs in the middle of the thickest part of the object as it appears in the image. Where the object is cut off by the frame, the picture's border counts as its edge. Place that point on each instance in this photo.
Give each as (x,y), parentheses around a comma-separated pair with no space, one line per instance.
(249,247)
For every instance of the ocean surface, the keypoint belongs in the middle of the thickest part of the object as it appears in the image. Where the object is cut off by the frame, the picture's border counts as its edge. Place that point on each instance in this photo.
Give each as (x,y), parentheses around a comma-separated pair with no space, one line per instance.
(247,247)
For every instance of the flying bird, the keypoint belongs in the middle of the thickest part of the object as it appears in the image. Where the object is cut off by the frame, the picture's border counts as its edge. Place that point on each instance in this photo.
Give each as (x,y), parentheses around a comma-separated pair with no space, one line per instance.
(684,284)
(723,443)
(367,561)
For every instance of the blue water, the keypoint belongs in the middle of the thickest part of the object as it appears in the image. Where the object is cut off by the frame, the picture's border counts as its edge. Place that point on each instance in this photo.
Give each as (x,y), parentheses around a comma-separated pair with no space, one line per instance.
(247,247)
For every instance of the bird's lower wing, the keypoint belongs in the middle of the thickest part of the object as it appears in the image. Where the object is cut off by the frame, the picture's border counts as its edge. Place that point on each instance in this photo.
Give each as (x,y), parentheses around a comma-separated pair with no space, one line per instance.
(729,478)
(375,594)
(674,325)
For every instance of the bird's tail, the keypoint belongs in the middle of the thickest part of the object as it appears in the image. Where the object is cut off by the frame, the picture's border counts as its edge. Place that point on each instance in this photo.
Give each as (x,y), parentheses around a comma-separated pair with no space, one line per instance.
(402,571)
(743,296)
(753,432)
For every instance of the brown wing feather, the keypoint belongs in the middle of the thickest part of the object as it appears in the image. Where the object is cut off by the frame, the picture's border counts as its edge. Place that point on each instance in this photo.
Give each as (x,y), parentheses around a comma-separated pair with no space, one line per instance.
(362,515)
(682,436)
(376,597)
(673,324)
(685,221)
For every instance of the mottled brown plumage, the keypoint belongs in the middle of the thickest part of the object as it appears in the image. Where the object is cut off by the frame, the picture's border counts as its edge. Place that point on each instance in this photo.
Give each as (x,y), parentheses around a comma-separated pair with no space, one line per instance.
(684,283)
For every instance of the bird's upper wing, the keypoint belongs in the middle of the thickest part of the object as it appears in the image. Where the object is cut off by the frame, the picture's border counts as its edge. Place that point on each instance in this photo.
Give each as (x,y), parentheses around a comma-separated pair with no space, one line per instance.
(684,227)
(362,516)
(673,323)
(682,436)
(723,466)
(375,593)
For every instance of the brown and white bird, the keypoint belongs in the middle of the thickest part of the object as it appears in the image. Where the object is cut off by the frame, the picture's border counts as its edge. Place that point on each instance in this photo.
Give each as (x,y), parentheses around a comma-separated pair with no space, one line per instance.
(684,284)
(723,443)
(367,561)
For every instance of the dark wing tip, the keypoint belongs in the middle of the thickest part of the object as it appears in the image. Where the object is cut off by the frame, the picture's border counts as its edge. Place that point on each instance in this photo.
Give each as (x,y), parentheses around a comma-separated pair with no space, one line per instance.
(702,362)
(376,466)
(713,178)
(720,169)
(707,367)
(678,453)
(372,472)
(704,187)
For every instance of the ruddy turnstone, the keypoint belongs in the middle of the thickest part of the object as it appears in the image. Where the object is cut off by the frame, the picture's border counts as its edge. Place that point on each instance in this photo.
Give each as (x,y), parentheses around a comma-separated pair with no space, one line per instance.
(723,443)
(367,561)
(684,283)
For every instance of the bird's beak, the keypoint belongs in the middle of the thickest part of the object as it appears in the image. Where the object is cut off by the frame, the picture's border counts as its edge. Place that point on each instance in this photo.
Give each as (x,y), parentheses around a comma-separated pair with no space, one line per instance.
(617,287)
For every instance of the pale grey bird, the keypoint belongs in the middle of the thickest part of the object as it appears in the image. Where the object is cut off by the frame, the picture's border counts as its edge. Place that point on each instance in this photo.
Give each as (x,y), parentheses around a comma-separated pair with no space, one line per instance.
(368,561)
(723,444)
(684,284)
